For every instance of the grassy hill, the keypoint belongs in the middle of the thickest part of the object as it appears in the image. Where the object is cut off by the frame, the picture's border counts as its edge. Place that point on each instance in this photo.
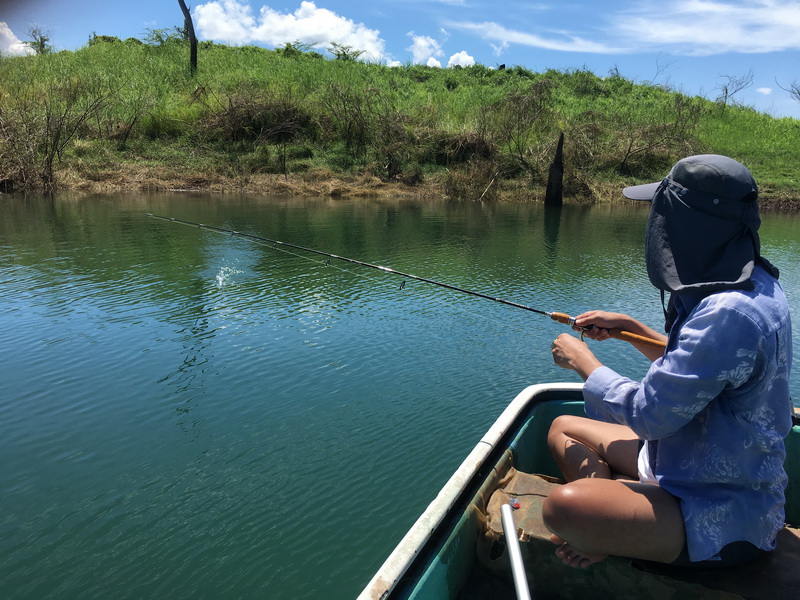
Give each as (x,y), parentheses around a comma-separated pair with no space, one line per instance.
(130,115)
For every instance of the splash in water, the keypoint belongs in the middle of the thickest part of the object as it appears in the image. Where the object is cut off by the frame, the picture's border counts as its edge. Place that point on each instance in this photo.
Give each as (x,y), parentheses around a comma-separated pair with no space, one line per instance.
(225,276)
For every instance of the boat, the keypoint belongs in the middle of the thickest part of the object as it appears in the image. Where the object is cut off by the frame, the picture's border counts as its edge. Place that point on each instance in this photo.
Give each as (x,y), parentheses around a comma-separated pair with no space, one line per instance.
(457,549)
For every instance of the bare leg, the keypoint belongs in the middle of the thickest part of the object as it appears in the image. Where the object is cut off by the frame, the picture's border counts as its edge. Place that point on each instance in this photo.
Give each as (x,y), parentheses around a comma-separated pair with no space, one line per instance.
(584,447)
(593,518)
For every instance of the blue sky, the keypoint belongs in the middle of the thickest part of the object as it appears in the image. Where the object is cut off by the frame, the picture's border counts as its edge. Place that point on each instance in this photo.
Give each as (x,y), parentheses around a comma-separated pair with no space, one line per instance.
(694,46)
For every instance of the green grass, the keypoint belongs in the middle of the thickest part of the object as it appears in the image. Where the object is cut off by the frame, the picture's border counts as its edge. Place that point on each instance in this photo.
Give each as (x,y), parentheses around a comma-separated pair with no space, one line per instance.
(264,111)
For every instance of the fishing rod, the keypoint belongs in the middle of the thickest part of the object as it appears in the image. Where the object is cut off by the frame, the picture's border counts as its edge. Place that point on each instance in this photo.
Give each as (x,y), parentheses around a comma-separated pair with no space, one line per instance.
(556,316)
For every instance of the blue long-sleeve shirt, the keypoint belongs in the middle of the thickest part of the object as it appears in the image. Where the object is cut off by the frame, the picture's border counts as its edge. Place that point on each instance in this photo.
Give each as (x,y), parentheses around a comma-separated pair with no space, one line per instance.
(714,411)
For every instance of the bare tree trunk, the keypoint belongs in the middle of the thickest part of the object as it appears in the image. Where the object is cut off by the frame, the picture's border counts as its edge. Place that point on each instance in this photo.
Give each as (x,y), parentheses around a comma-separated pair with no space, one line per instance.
(187,17)
(554,196)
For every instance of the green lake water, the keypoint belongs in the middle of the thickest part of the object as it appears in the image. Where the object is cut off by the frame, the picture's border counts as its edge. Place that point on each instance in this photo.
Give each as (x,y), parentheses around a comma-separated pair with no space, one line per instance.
(186,414)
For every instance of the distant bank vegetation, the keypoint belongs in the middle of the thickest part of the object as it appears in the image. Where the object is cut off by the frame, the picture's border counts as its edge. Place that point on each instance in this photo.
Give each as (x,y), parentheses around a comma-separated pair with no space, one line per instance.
(249,116)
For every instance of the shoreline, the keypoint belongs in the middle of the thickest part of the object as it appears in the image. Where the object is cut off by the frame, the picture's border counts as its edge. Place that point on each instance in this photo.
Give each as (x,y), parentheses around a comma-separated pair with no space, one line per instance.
(323,183)
(136,178)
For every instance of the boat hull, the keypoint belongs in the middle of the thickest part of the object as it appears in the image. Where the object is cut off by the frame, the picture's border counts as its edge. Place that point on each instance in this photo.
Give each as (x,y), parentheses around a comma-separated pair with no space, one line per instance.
(455,549)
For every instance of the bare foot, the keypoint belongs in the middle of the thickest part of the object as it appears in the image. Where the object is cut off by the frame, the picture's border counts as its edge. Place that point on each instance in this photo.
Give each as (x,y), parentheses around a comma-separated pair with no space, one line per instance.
(573,557)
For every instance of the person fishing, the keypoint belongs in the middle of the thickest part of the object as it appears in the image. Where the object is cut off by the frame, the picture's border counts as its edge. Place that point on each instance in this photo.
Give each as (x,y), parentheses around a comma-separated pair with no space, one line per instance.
(685,466)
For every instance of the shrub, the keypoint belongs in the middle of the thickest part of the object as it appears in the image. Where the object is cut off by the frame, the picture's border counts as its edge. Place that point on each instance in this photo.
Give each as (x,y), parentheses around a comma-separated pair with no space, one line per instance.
(259,117)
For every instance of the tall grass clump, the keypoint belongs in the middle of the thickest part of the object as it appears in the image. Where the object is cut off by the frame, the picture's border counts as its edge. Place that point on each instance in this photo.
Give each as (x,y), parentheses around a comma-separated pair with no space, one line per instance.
(42,111)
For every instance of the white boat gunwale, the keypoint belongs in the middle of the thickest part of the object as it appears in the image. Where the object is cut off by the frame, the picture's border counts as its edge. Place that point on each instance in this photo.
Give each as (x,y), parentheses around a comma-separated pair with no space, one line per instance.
(535,406)
(435,523)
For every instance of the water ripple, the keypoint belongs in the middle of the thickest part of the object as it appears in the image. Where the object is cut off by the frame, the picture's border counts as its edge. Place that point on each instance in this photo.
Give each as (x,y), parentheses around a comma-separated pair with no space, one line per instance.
(190,415)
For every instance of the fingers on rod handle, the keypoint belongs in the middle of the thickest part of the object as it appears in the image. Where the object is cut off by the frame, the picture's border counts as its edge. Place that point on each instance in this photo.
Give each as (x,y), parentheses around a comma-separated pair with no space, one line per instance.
(627,336)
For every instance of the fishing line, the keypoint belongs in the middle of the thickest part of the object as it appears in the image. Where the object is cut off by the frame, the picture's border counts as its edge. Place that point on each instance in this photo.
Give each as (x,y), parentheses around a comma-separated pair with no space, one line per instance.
(363,275)
(436,299)
(283,246)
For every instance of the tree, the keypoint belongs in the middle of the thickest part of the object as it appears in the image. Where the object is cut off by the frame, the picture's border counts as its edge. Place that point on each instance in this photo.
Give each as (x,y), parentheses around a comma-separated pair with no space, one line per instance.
(342,52)
(733,85)
(520,117)
(162,37)
(40,40)
(189,27)
(294,49)
(793,89)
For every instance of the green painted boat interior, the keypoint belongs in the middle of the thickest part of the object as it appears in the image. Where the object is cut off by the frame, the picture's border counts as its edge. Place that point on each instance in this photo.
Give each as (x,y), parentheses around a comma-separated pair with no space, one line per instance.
(454,563)
(451,573)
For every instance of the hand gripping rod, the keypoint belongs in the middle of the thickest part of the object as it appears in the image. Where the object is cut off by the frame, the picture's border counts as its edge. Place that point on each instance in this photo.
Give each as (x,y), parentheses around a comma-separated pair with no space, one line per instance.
(556,316)
(620,334)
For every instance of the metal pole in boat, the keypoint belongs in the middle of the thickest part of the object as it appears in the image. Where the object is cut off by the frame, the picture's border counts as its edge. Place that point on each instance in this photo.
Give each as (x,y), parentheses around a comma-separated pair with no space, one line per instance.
(514,553)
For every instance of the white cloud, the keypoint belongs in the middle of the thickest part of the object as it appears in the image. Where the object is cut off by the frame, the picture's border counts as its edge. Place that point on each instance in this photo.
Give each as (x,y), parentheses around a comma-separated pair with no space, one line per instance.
(764,90)
(423,48)
(680,27)
(226,21)
(10,44)
(564,41)
(461,59)
(432,62)
(498,49)
(706,27)
(233,23)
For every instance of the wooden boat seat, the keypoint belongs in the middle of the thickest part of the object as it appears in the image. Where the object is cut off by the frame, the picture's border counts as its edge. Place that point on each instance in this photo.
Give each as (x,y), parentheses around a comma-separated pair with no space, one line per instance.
(776,575)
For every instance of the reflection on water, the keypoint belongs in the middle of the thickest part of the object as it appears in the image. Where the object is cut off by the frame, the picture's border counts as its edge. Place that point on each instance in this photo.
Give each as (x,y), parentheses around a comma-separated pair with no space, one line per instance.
(552,226)
(187,414)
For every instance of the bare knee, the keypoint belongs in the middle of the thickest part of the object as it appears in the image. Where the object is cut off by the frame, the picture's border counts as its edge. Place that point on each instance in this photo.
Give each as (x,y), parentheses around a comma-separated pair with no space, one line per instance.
(564,423)
(559,432)
(563,509)
(575,507)
(601,516)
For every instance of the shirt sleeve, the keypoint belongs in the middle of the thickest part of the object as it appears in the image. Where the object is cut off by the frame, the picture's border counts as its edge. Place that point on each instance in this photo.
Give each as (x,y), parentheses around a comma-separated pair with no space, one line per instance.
(716,350)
